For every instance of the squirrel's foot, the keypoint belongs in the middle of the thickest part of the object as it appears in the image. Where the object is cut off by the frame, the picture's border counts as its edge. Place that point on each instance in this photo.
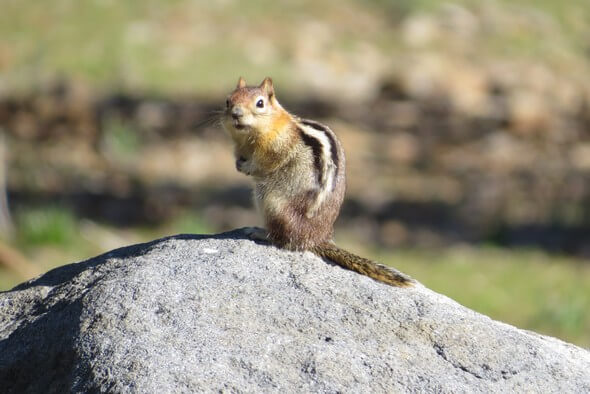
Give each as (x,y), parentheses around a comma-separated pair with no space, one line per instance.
(257,234)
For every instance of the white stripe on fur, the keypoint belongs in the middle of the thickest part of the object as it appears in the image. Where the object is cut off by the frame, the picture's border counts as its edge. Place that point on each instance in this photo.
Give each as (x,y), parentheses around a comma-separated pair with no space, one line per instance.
(328,168)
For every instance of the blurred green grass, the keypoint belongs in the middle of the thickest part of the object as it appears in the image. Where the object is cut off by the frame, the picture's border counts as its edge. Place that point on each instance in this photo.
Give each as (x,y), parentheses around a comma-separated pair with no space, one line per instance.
(120,142)
(47,225)
(191,47)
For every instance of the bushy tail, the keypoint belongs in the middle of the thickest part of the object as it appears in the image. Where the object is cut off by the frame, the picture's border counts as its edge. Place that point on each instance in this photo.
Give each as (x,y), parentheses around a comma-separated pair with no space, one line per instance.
(363,266)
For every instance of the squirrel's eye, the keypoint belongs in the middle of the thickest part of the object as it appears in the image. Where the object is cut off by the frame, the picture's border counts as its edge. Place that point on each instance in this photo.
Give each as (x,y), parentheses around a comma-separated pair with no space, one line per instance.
(260,103)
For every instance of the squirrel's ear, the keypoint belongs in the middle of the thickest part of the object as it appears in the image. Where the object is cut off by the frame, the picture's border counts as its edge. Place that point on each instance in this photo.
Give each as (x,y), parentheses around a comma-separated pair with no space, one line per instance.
(267,87)
(241,83)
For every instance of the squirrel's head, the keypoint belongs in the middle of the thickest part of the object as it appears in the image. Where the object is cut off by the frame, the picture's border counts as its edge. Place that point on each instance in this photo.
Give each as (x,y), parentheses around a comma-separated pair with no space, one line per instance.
(251,106)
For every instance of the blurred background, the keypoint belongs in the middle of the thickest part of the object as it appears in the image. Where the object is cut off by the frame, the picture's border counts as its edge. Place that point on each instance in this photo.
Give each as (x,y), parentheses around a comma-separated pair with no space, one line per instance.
(466,126)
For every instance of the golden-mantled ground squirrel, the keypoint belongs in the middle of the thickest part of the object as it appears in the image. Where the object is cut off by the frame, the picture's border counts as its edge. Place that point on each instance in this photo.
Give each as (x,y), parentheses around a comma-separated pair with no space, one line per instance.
(298,167)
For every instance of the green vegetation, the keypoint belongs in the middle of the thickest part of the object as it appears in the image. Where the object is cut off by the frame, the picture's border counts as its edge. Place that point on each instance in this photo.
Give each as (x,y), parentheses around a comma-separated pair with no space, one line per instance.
(8,279)
(189,223)
(46,225)
(187,47)
(120,142)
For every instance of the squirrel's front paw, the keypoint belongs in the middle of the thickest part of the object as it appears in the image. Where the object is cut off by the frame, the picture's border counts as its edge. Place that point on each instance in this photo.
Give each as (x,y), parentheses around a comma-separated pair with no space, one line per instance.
(256,234)
(242,165)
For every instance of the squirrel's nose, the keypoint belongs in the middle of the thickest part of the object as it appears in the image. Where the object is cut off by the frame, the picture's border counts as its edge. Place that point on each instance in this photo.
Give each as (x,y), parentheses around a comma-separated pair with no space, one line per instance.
(236,112)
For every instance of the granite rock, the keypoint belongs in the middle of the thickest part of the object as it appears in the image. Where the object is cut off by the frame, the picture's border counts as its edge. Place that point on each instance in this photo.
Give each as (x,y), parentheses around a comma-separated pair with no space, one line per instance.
(193,313)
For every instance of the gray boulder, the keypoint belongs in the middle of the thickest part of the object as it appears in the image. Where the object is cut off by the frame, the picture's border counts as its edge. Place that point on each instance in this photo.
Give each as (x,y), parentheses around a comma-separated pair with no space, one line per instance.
(221,313)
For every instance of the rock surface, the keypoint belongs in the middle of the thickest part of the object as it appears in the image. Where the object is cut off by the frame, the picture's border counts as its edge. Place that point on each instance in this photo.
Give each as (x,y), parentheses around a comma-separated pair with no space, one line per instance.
(195,313)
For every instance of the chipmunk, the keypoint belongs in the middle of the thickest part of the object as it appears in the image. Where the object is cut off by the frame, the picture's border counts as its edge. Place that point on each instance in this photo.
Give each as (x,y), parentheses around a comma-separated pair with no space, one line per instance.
(298,169)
